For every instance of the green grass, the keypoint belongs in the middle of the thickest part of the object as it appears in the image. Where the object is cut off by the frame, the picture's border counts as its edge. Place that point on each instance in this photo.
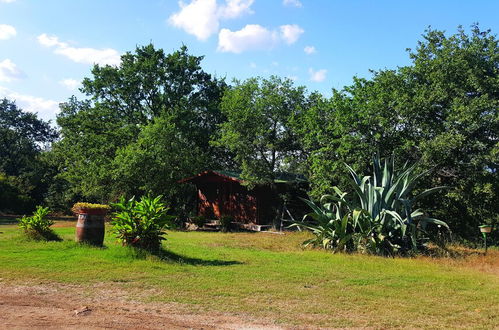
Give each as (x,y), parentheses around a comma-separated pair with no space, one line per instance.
(268,275)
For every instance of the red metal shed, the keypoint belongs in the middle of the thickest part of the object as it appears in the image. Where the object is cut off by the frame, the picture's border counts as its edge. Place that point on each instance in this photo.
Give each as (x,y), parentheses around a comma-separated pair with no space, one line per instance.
(223,193)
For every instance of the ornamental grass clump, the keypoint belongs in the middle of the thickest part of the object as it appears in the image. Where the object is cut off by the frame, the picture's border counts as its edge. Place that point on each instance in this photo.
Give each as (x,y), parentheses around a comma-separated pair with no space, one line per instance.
(380,218)
(140,223)
(37,226)
(82,207)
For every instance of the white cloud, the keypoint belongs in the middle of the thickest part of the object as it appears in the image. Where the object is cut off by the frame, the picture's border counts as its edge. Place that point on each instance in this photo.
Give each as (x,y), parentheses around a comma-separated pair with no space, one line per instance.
(256,37)
(201,18)
(71,84)
(46,109)
(48,41)
(317,76)
(292,3)
(309,50)
(9,71)
(253,65)
(198,18)
(7,31)
(251,37)
(81,55)
(235,8)
(292,77)
(7,1)
(291,33)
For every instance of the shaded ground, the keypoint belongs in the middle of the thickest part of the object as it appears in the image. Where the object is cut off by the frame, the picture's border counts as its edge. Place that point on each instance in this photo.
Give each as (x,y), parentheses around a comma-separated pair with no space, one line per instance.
(67,306)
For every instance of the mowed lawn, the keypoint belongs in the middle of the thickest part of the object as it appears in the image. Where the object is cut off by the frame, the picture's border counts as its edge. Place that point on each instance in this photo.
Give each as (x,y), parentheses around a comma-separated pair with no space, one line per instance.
(270,276)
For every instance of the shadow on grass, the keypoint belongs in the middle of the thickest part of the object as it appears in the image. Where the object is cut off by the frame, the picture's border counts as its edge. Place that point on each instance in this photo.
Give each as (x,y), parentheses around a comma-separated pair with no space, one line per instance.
(47,236)
(172,257)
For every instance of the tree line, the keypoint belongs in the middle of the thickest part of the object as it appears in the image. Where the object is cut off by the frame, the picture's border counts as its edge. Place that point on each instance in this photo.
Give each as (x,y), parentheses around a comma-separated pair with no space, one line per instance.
(157,118)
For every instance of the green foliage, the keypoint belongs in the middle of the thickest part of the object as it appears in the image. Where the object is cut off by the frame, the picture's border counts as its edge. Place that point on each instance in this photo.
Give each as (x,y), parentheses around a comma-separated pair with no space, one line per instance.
(440,111)
(157,160)
(329,224)
(13,198)
(22,136)
(139,119)
(257,130)
(157,118)
(38,225)
(225,223)
(140,224)
(199,220)
(77,207)
(23,139)
(379,219)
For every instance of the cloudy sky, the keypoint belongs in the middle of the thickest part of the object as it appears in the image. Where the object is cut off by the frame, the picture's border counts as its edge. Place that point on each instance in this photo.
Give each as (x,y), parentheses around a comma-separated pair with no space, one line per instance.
(48,46)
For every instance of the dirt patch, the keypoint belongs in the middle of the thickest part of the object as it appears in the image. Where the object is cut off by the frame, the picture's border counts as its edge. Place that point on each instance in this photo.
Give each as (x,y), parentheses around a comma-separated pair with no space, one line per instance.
(57,306)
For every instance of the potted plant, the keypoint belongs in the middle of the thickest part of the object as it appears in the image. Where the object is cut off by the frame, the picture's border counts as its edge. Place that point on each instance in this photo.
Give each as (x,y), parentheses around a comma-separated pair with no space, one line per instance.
(90,225)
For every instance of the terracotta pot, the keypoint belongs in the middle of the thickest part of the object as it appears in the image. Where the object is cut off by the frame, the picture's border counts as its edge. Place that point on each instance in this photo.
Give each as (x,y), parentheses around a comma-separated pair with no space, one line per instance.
(90,226)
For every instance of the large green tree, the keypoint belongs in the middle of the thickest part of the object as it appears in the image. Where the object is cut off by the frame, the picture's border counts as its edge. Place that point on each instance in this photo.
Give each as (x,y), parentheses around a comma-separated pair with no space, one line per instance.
(258,127)
(125,100)
(442,110)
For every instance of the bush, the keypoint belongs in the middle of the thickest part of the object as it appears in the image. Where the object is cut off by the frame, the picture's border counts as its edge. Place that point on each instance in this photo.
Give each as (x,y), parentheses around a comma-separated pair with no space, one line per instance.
(380,218)
(225,222)
(141,224)
(199,220)
(81,206)
(37,226)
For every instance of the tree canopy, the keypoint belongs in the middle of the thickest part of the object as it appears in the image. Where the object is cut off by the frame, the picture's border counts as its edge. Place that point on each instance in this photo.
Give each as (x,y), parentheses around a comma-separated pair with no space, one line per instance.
(125,105)
(442,110)
(157,118)
(257,129)
(23,136)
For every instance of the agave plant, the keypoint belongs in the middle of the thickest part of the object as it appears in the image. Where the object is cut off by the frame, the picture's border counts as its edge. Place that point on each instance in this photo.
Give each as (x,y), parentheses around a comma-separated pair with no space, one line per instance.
(380,218)
(386,205)
(329,223)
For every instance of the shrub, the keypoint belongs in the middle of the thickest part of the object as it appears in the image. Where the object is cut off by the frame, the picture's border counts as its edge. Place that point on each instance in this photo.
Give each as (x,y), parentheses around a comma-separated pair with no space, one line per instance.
(78,207)
(380,218)
(140,224)
(199,220)
(225,222)
(37,226)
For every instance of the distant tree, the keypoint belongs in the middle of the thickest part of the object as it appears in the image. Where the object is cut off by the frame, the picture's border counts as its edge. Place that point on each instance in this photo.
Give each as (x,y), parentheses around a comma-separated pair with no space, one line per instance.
(23,137)
(258,130)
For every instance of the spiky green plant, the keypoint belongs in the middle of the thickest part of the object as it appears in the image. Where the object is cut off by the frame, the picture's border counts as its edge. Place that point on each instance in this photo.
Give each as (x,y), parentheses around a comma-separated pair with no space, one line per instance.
(329,223)
(387,201)
(380,218)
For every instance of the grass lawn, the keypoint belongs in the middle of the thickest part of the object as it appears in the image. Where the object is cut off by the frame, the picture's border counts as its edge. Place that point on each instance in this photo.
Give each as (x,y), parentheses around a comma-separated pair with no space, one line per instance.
(270,276)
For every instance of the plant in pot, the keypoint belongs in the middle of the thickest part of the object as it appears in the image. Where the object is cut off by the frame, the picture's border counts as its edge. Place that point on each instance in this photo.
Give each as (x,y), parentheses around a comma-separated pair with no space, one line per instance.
(90,225)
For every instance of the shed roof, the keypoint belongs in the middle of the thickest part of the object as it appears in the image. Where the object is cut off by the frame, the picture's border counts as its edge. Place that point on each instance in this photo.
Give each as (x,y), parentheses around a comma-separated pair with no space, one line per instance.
(282,177)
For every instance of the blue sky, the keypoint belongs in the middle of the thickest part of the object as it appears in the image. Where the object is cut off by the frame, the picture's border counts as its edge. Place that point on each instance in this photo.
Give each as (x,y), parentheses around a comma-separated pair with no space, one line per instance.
(47,47)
